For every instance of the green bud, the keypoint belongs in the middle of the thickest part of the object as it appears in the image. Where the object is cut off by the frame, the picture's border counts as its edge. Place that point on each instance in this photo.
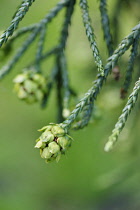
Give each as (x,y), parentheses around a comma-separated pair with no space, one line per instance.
(21,93)
(58,130)
(39,79)
(20,78)
(47,136)
(53,147)
(63,142)
(56,141)
(30,86)
(36,77)
(48,128)
(33,86)
(46,153)
(40,144)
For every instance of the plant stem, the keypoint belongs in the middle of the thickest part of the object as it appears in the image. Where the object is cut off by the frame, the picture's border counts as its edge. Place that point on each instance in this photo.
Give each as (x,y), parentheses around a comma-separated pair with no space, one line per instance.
(130,67)
(98,83)
(106,26)
(19,15)
(91,36)
(6,69)
(123,118)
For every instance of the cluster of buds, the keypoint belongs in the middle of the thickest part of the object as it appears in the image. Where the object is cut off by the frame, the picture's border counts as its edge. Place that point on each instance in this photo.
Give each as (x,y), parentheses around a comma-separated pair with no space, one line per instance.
(53,142)
(30,86)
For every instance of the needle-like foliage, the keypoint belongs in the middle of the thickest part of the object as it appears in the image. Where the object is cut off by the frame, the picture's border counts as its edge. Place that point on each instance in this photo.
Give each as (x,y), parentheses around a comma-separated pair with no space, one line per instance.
(33,86)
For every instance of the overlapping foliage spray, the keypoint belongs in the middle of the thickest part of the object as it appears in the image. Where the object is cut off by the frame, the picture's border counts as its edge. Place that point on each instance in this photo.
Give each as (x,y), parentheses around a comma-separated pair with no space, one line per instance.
(32,86)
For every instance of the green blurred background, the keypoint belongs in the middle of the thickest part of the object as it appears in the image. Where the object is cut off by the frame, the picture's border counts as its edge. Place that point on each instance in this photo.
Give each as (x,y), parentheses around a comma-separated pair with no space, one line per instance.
(86,178)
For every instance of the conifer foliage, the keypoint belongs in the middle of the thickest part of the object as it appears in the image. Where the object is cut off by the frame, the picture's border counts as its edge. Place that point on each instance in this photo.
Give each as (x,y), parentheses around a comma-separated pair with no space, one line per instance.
(32,86)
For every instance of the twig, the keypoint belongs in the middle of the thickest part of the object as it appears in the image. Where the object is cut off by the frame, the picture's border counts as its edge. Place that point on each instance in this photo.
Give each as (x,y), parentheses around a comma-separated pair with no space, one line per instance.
(106,26)
(123,118)
(130,67)
(95,89)
(91,36)
(19,15)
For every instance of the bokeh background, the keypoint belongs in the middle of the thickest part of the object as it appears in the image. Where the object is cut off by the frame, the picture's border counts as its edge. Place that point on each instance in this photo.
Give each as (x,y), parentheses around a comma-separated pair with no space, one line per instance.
(86,178)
